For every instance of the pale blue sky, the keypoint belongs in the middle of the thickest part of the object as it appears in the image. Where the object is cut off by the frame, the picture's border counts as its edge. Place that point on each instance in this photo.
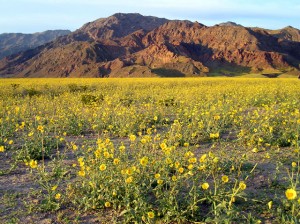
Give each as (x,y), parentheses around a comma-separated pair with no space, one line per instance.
(29,16)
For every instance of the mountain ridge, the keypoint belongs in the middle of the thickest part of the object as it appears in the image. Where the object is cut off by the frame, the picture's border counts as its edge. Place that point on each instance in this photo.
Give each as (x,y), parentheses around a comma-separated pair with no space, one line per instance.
(132,45)
(11,43)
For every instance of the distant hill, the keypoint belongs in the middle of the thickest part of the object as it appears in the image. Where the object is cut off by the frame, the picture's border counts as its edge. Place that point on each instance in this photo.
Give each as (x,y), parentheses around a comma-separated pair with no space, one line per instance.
(132,45)
(11,43)
(229,23)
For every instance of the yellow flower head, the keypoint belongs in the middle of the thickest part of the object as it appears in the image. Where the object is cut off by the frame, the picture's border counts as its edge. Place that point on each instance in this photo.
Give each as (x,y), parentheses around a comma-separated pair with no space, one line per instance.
(129,180)
(40,128)
(193,160)
(116,161)
(143,141)
(216,160)
(33,164)
(106,154)
(80,161)
(270,203)
(163,146)
(132,138)
(180,170)
(129,171)
(81,173)
(107,204)
(242,185)
(144,161)
(217,117)
(168,160)
(205,186)
(157,176)
(150,215)
(57,196)
(102,167)
(74,147)
(160,182)
(225,179)
(214,135)
(290,194)
(203,158)
(2,148)
(122,148)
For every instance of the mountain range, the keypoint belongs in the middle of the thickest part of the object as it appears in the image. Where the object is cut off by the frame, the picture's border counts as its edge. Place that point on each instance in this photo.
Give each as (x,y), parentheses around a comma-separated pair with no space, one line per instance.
(133,45)
(11,43)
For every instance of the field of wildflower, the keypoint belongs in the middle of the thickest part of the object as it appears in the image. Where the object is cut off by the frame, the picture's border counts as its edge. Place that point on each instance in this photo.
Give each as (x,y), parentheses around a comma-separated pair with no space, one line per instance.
(194,150)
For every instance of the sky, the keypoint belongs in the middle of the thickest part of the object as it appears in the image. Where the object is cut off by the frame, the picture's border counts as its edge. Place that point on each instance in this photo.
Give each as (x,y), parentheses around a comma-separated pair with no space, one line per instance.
(29,16)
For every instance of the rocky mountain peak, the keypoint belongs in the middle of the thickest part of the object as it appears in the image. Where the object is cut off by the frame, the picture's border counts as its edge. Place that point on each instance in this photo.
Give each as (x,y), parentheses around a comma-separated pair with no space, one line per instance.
(120,25)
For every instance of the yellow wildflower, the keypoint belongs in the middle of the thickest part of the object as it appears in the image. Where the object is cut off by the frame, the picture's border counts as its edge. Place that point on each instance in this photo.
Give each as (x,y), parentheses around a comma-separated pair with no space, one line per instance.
(190,167)
(57,196)
(290,194)
(33,164)
(216,160)
(132,138)
(163,146)
(203,158)
(180,170)
(40,128)
(122,148)
(81,173)
(225,179)
(116,161)
(102,167)
(205,186)
(143,141)
(214,135)
(129,180)
(270,204)
(106,154)
(157,176)
(160,182)
(144,161)
(74,147)
(150,215)
(242,185)
(193,160)
(174,178)
(107,204)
